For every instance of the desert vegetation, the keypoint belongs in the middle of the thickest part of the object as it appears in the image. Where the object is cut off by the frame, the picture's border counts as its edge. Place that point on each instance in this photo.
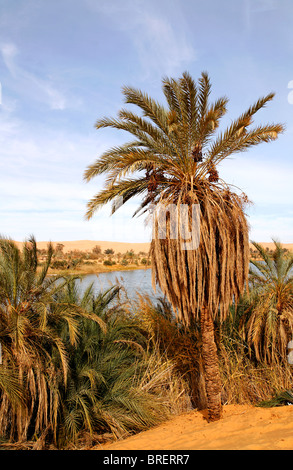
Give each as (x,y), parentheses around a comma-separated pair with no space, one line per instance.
(74,366)
(93,261)
(81,369)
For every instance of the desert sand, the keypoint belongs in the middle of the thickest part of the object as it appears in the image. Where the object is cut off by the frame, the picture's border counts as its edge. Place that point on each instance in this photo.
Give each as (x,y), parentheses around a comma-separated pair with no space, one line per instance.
(118,247)
(271,246)
(243,427)
(88,245)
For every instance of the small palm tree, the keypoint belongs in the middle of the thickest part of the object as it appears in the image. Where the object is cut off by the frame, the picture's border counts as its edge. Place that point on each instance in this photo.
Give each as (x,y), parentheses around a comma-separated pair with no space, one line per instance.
(33,352)
(173,159)
(25,338)
(111,373)
(270,324)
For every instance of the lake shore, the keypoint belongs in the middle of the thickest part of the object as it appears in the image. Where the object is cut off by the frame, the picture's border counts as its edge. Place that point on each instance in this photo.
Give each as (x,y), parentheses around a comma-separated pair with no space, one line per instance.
(87,246)
(95,269)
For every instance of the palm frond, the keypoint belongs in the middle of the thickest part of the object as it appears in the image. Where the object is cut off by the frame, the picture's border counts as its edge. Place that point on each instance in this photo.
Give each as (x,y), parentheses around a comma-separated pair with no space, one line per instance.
(125,188)
(151,108)
(281,399)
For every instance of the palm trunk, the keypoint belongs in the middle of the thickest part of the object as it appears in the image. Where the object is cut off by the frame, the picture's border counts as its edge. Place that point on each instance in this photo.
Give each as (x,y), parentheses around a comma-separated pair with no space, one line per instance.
(211,366)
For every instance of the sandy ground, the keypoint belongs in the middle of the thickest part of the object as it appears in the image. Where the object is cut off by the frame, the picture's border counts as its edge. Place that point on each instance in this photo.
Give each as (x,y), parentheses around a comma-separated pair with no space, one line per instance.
(241,428)
(118,247)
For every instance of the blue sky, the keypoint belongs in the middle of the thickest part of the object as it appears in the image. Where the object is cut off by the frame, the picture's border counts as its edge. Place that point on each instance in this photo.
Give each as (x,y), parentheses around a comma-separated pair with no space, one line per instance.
(62,66)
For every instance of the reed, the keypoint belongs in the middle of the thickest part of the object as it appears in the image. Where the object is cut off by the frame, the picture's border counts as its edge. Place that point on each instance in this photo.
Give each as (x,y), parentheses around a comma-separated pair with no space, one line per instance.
(246,382)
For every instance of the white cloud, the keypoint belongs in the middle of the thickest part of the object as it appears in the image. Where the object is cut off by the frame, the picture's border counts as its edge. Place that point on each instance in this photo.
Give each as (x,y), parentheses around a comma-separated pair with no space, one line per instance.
(9,52)
(68,225)
(42,190)
(254,7)
(28,84)
(264,181)
(268,184)
(273,226)
(162,48)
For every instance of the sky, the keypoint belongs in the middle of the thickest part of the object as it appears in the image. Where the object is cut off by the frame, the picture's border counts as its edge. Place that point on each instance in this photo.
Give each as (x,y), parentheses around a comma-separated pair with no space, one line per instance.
(63,64)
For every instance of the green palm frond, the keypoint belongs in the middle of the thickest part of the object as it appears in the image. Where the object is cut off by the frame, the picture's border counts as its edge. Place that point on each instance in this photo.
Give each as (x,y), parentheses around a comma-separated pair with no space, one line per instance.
(151,108)
(270,326)
(204,91)
(126,189)
(167,137)
(238,139)
(281,399)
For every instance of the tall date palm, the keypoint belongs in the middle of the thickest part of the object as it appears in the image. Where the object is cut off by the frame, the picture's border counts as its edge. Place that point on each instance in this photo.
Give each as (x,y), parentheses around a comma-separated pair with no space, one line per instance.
(173,159)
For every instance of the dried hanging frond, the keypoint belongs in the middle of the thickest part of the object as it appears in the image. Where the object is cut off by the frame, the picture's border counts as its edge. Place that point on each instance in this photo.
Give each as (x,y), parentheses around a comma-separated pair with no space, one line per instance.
(245,199)
(216,272)
(227,195)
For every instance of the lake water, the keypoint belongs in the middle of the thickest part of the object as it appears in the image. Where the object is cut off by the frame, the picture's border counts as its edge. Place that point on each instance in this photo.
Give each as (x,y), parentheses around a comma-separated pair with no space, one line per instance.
(136,281)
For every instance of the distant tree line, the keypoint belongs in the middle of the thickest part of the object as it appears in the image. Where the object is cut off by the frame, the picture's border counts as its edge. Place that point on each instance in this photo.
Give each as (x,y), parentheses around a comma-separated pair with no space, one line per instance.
(75,258)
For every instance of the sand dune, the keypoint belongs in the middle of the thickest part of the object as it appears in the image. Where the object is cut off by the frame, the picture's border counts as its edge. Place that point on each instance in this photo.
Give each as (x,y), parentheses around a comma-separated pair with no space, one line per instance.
(88,245)
(118,247)
(289,246)
(242,428)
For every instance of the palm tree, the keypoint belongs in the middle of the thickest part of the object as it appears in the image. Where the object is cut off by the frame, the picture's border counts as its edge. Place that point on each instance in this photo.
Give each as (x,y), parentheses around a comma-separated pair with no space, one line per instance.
(25,338)
(34,354)
(111,372)
(270,323)
(173,159)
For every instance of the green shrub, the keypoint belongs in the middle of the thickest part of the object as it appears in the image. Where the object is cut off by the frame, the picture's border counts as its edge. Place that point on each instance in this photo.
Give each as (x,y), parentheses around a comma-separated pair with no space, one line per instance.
(59,264)
(108,262)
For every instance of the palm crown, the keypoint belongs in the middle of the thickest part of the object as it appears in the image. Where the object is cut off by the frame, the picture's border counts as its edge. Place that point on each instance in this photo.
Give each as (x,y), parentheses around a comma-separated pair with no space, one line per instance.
(176,148)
